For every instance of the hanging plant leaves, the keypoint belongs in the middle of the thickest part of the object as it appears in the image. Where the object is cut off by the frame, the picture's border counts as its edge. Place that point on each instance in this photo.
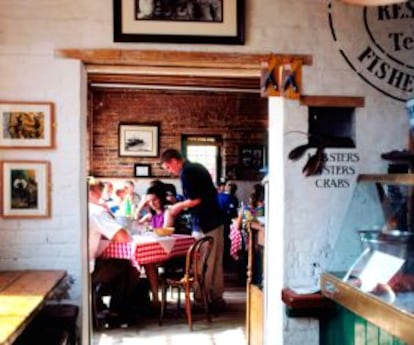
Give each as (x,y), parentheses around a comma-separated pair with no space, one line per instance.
(315,163)
(298,152)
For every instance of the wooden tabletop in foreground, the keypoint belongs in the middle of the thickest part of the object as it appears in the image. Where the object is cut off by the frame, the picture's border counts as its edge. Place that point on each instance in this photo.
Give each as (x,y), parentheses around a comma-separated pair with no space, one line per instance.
(22,294)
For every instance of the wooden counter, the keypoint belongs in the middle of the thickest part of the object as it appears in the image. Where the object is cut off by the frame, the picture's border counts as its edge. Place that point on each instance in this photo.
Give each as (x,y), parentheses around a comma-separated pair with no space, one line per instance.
(22,295)
(366,311)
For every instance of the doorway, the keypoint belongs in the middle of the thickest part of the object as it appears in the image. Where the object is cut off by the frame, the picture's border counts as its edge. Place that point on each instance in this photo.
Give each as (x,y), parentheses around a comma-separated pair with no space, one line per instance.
(107,83)
(197,70)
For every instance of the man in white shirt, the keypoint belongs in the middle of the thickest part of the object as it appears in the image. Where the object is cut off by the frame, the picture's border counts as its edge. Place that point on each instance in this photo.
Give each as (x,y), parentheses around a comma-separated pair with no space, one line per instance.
(117,275)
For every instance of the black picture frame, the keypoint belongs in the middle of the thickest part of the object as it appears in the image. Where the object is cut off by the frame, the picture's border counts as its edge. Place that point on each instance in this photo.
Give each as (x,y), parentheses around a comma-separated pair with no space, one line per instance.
(252,156)
(142,170)
(139,140)
(130,25)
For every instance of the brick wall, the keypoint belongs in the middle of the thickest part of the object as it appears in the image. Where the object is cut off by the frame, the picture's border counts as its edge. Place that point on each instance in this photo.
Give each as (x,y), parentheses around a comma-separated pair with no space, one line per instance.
(239,118)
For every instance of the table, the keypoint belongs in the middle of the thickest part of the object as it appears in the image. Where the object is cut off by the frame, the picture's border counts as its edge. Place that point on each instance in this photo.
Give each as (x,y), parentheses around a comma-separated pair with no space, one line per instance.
(22,295)
(149,248)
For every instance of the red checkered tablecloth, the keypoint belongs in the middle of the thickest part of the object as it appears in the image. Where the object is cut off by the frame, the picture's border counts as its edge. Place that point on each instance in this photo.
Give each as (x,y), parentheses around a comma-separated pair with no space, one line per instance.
(149,248)
(235,242)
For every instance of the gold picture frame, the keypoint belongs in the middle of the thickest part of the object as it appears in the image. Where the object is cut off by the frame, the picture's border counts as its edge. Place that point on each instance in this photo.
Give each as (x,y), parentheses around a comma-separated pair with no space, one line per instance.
(27,125)
(25,189)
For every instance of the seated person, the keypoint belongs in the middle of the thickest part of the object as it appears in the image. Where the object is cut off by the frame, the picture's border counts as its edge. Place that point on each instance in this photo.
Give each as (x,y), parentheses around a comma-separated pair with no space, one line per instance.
(156,198)
(130,200)
(120,215)
(142,209)
(108,199)
(172,195)
(159,215)
(116,274)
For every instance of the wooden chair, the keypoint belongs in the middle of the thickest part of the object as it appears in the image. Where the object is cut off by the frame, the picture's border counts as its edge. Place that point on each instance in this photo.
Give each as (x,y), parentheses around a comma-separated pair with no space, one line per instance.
(191,275)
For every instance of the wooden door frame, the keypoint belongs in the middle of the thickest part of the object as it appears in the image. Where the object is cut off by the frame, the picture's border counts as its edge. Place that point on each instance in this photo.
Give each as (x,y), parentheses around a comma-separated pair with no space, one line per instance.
(153,67)
(149,67)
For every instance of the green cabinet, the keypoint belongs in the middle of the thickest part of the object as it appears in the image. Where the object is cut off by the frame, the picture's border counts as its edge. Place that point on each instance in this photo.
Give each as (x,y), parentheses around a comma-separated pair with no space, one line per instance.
(343,327)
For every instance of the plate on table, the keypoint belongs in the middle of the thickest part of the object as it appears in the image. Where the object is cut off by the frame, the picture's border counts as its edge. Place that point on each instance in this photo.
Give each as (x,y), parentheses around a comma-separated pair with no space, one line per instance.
(167,231)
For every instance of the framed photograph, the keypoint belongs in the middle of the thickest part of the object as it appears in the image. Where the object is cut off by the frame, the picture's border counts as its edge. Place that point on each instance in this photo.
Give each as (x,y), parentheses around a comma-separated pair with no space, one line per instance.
(138,140)
(252,156)
(142,170)
(26,125)
(25,189)
(184,21)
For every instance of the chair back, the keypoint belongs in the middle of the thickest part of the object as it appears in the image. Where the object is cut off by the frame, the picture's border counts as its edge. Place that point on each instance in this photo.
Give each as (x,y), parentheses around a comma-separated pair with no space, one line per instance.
(196,259)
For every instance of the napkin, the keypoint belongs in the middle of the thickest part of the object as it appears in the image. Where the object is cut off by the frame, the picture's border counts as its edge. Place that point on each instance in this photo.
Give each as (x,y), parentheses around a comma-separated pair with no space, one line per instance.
(166,242)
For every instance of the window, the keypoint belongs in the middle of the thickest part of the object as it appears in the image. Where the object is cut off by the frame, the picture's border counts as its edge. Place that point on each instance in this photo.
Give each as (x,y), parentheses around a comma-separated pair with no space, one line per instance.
(204,150)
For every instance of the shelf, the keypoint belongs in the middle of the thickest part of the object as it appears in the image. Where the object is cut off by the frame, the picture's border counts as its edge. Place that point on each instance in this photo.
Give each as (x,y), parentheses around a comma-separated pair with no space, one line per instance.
(407,179)
(306,305)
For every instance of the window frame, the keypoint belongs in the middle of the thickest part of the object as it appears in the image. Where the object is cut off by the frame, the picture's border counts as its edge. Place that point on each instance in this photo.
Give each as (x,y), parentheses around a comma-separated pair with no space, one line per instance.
(205,140)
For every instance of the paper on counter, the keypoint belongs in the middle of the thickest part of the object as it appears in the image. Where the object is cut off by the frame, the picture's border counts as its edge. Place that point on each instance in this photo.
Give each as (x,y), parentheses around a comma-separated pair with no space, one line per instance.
(380,268)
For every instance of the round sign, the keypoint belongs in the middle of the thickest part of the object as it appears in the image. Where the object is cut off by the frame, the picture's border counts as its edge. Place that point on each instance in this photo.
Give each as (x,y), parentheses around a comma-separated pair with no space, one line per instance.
(378,44)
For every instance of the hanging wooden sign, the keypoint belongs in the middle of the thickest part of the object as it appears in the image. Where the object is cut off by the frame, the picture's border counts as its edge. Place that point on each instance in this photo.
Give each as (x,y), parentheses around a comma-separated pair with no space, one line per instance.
(281,76)
(290,76)
(269,81)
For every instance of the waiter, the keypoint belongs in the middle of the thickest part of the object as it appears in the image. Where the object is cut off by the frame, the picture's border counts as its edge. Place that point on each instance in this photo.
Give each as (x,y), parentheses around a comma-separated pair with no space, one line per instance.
(201,200)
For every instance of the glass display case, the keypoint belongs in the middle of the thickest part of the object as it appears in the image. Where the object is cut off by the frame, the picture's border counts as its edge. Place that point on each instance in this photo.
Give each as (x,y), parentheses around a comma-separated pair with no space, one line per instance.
(372,269)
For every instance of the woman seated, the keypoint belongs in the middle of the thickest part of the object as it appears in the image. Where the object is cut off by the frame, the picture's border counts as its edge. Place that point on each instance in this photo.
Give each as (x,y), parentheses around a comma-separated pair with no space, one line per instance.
(157,200)
(158,216)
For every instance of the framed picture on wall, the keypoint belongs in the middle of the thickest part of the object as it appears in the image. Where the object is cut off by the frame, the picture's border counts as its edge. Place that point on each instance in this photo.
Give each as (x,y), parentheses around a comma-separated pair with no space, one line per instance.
(25,125)
(142,170)
(138,140)
(217,22)
(252,156)
(25,189)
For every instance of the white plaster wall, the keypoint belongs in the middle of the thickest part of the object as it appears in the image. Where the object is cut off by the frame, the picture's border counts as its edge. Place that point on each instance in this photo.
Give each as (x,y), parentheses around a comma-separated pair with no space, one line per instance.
(53,242)
(307,226)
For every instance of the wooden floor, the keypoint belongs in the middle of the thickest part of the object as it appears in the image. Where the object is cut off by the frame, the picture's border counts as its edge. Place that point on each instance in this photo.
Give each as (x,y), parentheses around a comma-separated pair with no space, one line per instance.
(228,328)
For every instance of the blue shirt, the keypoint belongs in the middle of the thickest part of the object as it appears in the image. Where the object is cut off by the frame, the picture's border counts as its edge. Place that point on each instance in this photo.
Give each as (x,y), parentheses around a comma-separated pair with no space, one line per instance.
(228,204)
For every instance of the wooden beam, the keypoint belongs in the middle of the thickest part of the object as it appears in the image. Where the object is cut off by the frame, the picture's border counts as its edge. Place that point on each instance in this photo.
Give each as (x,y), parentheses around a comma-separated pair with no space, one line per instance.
(165,58)
(180,81)
(332,101)
(174,71)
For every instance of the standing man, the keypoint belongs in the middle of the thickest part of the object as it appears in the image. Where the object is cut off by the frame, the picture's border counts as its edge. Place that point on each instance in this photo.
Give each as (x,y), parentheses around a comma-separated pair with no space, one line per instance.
(201,200)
